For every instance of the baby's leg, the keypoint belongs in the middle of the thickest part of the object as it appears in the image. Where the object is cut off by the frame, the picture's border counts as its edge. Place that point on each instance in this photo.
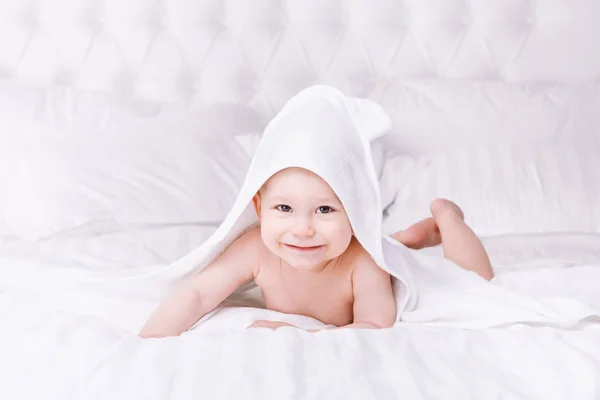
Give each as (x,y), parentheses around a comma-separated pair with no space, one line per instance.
(459,242)
(420,235)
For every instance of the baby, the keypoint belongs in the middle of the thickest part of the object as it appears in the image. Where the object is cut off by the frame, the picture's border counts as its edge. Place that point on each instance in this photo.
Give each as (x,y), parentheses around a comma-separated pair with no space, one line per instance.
(306,261)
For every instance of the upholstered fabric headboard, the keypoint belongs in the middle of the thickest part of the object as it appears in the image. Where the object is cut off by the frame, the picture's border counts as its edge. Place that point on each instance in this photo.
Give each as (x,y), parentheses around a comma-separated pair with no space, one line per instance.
(260,52)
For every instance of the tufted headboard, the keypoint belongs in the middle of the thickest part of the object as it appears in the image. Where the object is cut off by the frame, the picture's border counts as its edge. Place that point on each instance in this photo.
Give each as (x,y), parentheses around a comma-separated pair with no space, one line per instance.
(260,52)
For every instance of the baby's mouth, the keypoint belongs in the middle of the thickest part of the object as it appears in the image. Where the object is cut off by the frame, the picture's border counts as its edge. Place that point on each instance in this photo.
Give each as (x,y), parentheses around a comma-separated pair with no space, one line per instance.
(303,248)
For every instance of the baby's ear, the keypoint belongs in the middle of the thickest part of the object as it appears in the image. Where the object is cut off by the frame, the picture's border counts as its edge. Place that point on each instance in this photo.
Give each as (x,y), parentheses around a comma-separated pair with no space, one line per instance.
(256,201)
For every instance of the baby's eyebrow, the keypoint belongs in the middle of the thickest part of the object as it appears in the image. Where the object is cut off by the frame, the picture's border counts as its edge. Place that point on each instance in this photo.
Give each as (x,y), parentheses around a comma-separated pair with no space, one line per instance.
(329,200)
(320,201)
(279,199)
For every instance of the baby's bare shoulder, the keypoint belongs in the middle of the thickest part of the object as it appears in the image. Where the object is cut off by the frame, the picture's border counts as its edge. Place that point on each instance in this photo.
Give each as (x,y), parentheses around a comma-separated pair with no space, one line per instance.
(360,260)
(250,236)
(247,250)
(356,253)
(249,243)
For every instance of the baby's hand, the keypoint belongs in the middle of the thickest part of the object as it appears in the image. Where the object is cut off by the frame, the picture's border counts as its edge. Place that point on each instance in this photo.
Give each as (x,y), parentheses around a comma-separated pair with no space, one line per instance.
(262,323)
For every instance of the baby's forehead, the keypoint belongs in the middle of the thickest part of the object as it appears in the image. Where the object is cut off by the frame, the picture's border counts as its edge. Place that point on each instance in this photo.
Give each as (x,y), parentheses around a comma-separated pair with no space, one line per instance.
(295,177)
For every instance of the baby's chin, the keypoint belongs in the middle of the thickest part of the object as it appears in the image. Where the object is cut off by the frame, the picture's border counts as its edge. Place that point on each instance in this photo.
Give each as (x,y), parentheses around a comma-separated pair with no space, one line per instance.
(306,263)
(307,267)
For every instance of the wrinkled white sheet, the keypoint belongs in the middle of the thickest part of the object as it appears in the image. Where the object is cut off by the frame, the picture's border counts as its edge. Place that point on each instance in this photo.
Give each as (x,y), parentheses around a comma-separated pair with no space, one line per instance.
(54,354)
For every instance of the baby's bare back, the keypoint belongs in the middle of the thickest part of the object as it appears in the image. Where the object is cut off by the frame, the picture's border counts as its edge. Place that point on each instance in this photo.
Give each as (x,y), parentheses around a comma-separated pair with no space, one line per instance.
(325,295)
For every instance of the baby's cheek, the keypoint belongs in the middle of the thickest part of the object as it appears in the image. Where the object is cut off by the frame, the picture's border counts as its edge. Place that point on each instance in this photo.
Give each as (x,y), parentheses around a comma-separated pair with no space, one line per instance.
(265,232)
(271,233)
(340,235)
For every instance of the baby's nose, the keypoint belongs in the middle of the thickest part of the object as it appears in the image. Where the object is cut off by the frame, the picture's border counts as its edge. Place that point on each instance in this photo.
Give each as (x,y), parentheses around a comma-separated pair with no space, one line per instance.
(304,228)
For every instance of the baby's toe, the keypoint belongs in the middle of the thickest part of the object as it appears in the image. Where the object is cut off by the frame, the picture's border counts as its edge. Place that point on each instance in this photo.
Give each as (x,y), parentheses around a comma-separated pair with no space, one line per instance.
(444,207)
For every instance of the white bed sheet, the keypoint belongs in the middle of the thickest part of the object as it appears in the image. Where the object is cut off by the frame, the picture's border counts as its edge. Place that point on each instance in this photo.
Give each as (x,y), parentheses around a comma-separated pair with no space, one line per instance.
(112,250)
(64,355)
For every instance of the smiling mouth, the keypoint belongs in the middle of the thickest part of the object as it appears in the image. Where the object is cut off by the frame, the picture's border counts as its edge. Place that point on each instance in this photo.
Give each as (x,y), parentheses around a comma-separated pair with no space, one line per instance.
(303,248)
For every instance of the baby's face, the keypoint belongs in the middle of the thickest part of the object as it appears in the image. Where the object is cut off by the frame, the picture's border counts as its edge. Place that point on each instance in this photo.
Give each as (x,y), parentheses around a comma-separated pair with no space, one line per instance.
(302,220)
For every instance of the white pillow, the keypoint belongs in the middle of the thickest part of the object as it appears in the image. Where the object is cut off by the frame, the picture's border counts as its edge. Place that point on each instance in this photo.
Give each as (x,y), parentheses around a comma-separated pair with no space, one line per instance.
(502,189)
(71,159)
(435,115)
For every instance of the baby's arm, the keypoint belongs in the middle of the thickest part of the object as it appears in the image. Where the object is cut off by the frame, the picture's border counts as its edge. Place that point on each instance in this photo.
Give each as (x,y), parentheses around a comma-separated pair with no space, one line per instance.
(374,303)
(202,293)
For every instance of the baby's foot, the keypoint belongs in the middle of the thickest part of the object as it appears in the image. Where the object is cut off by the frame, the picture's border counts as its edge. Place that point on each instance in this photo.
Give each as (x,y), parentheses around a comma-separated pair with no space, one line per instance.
(423,234)
(445,210)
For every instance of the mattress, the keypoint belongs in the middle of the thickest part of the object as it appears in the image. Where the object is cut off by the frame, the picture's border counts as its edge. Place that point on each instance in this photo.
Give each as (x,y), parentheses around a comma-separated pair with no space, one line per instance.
(69,355)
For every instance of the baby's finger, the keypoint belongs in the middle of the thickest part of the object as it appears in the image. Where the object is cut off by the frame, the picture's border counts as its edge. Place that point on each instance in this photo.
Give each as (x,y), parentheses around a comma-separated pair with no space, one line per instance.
(260,324)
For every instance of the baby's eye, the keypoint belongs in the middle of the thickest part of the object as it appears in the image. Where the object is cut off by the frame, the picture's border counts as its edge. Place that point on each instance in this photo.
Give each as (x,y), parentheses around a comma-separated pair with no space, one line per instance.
(324,210)
(284,208)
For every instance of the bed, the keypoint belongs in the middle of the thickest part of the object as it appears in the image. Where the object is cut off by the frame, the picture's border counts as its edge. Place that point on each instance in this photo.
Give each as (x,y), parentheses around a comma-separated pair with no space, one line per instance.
(126,129)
